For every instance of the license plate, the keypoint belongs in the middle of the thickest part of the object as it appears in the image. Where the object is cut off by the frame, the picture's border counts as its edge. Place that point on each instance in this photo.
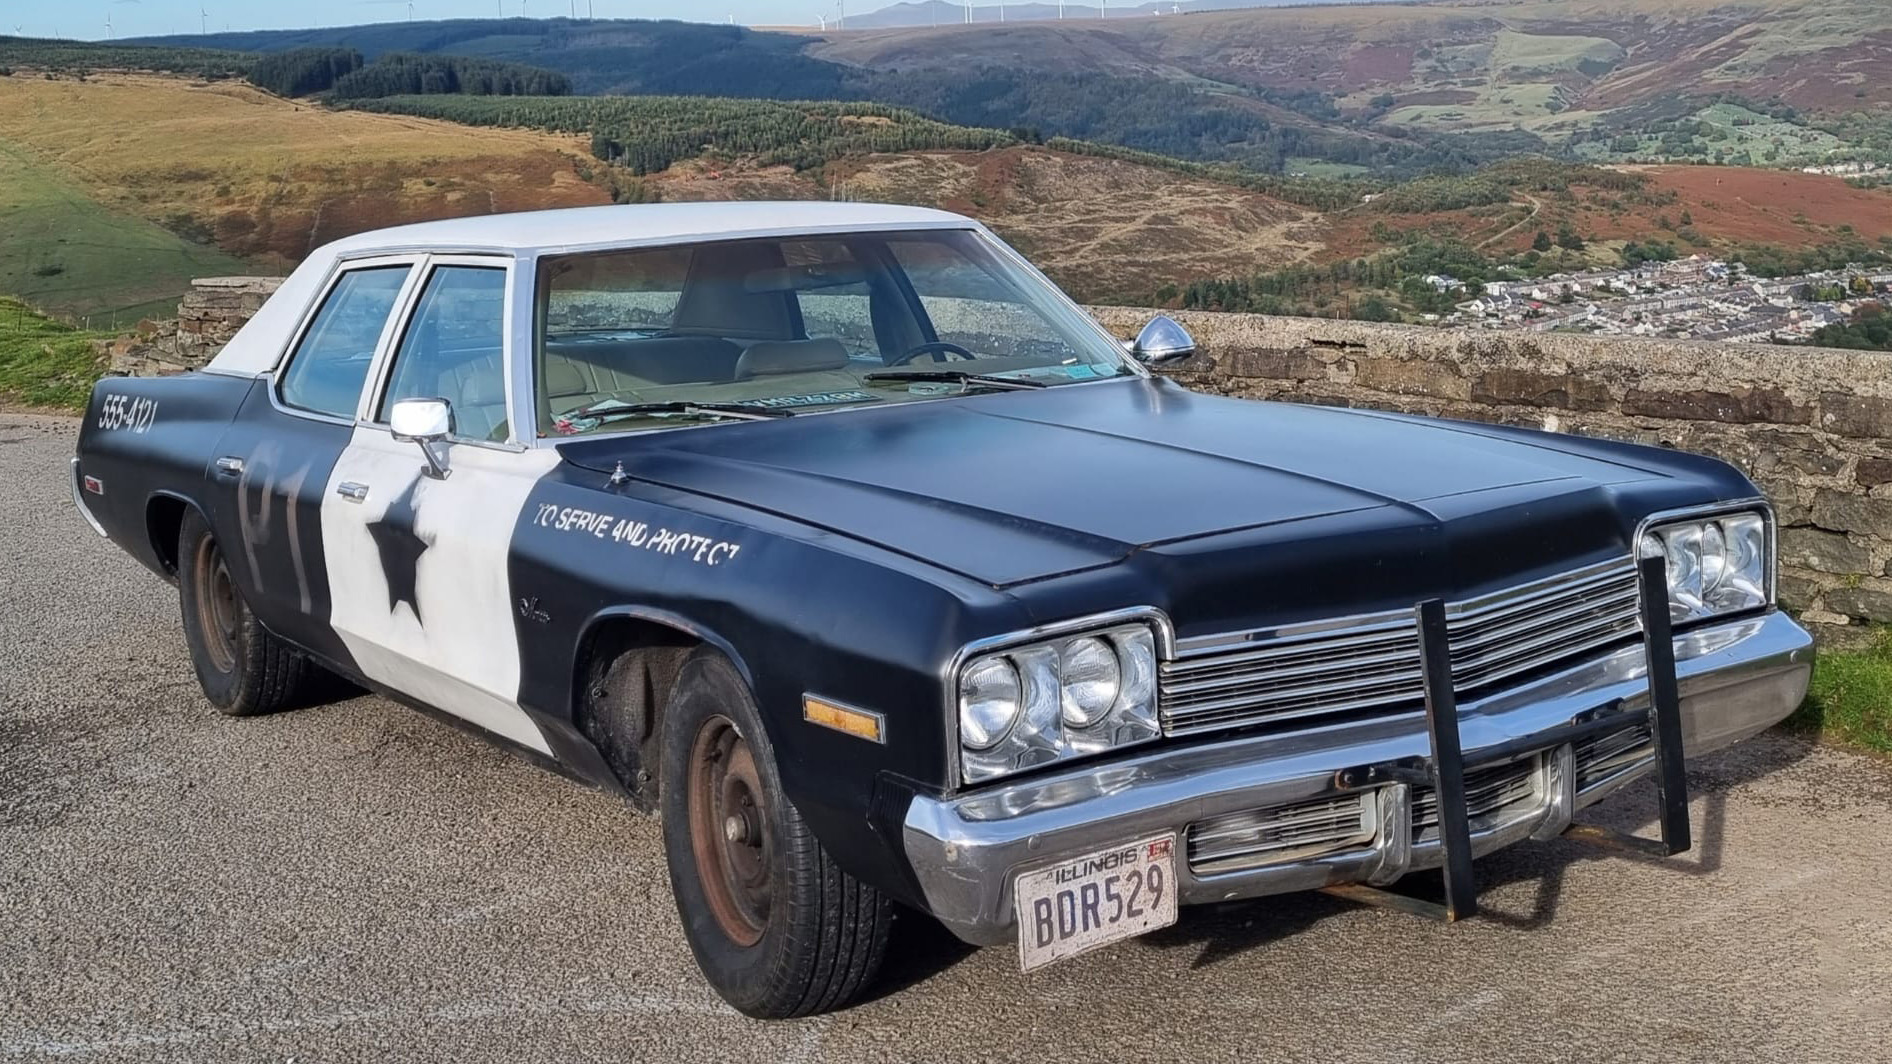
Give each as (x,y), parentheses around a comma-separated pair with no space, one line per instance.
(1094,900)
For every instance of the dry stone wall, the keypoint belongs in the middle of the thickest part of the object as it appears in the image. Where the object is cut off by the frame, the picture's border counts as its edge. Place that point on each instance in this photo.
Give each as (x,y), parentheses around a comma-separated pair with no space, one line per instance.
(1813,427)
(212,312)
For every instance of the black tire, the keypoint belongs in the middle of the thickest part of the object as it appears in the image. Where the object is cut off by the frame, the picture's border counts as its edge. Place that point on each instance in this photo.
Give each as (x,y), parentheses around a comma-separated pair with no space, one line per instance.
(244,670)
(777,928)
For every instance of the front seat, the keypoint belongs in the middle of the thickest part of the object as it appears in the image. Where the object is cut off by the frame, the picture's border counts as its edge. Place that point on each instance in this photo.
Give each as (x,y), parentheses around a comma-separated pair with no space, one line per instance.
(477,390)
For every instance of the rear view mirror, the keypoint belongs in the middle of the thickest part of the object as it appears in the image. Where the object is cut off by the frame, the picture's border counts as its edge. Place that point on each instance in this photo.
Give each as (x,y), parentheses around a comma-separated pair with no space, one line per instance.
(427,422)
(1162,340)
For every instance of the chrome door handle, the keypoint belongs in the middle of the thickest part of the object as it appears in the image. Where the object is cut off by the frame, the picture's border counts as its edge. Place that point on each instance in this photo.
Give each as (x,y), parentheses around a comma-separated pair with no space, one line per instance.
(229,465)
(352,491)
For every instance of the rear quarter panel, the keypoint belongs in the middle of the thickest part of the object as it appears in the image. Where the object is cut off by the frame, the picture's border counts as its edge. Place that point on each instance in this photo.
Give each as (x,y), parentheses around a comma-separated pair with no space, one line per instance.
(150,437)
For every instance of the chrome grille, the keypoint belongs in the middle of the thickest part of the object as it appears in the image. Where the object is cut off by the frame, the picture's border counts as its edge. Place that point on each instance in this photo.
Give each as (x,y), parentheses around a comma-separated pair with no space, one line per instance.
(1601,759)
(1489,792)
(1372,662)
(1258,837)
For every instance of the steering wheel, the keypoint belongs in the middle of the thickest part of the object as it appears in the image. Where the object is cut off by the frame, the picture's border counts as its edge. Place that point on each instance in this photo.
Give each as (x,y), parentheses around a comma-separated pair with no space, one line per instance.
(936,348)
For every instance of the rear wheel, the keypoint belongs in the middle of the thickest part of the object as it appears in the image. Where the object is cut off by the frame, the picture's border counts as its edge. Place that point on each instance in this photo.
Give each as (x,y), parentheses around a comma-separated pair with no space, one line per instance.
(777,927)
(242,668)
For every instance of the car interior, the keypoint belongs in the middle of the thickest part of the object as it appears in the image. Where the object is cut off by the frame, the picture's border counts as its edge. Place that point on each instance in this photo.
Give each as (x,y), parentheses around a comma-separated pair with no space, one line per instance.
(745,314)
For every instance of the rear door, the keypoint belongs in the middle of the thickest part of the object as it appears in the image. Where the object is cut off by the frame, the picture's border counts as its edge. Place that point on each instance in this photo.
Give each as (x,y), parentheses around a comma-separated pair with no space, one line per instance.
(272,465)
(418,565)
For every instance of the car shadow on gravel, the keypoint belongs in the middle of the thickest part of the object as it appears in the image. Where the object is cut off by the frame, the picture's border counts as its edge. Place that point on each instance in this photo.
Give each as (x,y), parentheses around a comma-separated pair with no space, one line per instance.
(918,948)
(1227,929)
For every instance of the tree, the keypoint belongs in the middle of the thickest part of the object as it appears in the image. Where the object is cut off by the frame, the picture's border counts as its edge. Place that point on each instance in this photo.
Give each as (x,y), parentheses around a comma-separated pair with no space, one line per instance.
(1541,243)
(1567,238)
(1687,218)
(1373,308)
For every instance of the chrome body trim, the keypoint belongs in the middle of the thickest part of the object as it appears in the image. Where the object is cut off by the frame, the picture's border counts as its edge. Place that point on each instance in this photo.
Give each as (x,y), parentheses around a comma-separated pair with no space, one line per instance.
(78,498)
(1736,677)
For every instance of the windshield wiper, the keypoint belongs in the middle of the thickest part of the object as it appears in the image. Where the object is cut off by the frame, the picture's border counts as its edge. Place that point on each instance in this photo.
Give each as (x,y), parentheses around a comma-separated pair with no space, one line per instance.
(955,376)
(735,411)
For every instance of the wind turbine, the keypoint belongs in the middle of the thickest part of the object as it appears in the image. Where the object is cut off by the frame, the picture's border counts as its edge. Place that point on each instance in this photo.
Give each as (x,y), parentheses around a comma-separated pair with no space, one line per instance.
(968,12)
(108,25)
(203,19)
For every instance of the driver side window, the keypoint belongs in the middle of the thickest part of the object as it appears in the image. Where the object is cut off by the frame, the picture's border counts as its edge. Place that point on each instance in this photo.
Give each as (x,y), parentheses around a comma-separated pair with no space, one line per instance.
(329,366)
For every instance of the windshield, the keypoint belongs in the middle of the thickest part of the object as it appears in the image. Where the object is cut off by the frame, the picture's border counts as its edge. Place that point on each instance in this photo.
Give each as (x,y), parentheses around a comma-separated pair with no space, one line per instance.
(627,340)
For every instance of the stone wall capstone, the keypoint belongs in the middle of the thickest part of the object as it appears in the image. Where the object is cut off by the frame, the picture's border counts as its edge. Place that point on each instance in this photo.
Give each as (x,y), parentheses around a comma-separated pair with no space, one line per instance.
(1811,426)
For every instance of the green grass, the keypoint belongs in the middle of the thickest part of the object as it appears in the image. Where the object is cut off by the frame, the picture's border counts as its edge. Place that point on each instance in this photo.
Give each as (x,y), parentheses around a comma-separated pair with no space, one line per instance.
(1850,702)
(45,362)
(64,251)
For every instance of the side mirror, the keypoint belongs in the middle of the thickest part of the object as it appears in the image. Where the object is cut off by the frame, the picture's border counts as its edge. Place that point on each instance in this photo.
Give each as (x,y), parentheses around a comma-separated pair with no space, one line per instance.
(1162,340)
(427,422)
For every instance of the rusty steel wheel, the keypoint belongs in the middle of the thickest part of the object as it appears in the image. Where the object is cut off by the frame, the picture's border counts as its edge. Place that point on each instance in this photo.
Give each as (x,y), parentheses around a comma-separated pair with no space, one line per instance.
(220,612)
(728,830)
(777,926)
(243,669)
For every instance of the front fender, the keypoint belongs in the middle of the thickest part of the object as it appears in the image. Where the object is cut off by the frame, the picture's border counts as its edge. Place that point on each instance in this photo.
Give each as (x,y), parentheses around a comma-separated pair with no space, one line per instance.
(798,611)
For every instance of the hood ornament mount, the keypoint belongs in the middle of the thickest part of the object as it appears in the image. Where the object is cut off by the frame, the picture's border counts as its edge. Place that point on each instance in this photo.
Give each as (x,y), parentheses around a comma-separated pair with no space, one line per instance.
(618,475)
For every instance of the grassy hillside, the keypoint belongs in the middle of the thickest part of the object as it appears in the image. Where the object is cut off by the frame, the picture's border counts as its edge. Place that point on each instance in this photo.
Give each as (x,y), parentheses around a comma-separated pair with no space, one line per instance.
(62,249)
(45,362)
(268,179)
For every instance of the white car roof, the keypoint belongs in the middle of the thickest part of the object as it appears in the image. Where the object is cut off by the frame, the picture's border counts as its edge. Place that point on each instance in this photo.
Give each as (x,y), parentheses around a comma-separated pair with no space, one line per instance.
(539,232)
(260,343)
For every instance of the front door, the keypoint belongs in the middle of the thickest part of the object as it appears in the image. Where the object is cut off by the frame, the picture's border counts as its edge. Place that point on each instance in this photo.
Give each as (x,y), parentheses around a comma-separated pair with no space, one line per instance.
(417,565)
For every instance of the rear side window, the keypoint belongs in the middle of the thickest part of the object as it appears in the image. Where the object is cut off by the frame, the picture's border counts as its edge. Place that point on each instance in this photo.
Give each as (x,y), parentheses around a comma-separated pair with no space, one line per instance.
(452,351)
(330,365)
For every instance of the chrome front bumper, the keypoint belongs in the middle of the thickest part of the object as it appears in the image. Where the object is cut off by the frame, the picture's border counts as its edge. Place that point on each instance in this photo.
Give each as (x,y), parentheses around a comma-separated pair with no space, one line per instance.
(1736,679)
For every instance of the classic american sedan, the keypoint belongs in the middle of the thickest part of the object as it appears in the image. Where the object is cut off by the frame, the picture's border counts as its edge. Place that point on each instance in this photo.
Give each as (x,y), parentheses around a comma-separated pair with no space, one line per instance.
(841,540)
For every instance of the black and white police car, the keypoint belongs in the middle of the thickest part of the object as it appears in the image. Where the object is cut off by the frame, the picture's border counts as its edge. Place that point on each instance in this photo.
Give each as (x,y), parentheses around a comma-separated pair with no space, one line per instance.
(837,537)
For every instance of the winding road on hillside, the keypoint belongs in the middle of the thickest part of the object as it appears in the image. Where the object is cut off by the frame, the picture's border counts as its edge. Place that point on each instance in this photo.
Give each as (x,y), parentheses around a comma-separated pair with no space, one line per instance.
(356,881)
(1537,207)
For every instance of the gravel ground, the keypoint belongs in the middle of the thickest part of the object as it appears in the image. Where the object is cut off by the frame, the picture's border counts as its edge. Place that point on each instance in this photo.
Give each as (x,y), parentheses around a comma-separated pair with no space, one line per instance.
(361,882)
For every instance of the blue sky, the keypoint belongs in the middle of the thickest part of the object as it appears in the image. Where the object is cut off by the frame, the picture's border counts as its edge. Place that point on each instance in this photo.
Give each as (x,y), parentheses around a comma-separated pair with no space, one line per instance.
(146,18)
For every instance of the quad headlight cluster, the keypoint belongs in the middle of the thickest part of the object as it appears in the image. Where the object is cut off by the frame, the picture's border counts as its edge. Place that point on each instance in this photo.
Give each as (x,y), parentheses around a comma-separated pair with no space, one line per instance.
(1043,702)
(1716,565)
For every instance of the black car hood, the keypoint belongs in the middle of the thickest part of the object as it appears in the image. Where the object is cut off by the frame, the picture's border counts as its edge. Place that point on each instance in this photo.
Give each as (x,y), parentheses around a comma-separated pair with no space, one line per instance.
(1012,487)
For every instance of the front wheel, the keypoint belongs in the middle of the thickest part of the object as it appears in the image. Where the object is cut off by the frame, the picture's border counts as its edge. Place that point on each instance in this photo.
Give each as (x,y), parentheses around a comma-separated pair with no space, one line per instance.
(243,669)
(777,927)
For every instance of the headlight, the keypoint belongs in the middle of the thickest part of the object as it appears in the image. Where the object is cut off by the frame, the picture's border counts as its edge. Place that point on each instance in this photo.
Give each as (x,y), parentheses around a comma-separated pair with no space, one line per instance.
(1715,565)
(988,703)
(1046,701)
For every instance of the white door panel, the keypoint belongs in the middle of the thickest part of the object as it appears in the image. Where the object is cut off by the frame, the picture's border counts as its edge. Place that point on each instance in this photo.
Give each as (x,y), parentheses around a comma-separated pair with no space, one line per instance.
(418,577)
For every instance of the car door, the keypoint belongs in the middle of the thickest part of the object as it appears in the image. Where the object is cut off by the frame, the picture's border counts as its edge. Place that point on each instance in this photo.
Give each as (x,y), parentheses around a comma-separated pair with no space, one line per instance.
(417,563)
(272,464)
